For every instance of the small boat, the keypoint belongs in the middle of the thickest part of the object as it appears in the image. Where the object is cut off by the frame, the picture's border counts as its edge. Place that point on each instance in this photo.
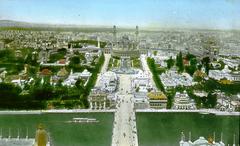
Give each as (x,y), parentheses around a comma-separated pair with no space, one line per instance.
(83,120)
(204,113)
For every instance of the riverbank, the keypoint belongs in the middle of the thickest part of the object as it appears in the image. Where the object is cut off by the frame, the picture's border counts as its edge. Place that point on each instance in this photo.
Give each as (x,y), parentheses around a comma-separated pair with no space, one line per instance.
(55,111)
(201,111)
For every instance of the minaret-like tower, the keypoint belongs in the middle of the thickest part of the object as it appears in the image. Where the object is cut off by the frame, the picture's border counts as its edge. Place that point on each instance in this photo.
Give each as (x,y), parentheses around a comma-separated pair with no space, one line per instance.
(114,34)
(137,33)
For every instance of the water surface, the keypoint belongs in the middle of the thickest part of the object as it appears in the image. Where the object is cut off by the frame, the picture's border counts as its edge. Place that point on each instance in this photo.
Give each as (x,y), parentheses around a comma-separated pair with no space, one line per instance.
(164,129)
(62,133)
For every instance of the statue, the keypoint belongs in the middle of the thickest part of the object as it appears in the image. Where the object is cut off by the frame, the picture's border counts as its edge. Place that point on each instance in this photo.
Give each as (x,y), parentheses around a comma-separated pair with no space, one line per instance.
(41,137)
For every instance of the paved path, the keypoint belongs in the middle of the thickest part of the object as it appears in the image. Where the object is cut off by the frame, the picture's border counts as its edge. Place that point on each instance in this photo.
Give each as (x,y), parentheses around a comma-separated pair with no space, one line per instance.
(143,59)
(104,67)
(124,131)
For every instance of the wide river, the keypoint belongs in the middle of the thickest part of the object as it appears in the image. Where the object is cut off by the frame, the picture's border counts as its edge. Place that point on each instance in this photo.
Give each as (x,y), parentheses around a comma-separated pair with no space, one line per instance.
(61,132)
(164,129)
(154,129)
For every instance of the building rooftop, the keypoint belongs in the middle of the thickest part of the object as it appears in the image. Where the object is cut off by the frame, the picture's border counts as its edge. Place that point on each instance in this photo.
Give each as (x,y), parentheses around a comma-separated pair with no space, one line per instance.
(156,96)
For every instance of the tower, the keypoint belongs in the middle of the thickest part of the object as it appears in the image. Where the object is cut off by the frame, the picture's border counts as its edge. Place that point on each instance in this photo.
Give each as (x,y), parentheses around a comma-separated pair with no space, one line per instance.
(114,34)
(41,137)
(137,33)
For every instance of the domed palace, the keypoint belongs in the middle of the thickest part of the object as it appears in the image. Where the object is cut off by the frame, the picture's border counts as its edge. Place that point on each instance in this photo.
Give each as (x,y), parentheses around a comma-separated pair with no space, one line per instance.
(125,47)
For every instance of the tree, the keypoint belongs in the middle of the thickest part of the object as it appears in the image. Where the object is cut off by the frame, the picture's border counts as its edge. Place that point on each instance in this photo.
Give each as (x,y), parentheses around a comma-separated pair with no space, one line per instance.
(137,89)
(30,59)
(80,84)
(42,91)
(179,62)
(154,53)
(193,66)
(170,99)
(211,100)
(55,57)
(9,92)
(190,56)
(7,55)
(199,66)
(205,62)
(62,51)
(170,62)
(91,81)
(153,68)
(82,57)
(75,60)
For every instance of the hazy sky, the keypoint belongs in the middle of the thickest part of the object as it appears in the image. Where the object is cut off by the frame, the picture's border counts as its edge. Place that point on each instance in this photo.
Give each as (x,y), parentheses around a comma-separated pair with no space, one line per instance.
(220,14)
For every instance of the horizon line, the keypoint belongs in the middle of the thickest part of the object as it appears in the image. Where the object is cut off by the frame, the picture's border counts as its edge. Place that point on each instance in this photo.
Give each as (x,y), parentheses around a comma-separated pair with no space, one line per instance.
(144,27)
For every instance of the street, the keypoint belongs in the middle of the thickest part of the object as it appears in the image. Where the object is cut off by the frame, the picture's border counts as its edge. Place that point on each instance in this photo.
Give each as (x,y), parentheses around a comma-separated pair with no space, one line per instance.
(124,131)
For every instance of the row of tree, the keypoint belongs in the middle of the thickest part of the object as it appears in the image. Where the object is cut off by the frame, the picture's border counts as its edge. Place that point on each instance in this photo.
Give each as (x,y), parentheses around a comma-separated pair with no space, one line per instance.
(211,85)
(156,78)
(10,98)
(179,62)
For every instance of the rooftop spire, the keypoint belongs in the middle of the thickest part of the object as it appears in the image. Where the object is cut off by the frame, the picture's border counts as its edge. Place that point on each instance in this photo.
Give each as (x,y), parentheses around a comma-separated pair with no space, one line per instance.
(221,137)
(1,134)
(234,139)
(18,134)
(27,133)
(214,137)
(9,133)
(182,136)
(189,136)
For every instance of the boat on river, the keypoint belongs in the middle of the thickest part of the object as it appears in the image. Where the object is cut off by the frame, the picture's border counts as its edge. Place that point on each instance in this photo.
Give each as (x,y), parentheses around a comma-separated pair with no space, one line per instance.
(83,120)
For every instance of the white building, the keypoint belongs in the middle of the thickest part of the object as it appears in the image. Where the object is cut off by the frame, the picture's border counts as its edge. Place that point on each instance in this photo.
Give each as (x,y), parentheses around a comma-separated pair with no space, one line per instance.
(226,103)
(200,142)
(183,102)
(162,56)
(85,74)
(112,100)
(19,82)
(233,63)
(73,77)
(98,99)
(108,81)
(140,100)
(173,79)
(88,57)
(200,93)
(225,73)
(141,80)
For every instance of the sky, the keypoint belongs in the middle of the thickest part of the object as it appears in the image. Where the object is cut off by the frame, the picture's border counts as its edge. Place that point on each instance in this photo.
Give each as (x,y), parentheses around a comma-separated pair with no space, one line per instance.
(217,14)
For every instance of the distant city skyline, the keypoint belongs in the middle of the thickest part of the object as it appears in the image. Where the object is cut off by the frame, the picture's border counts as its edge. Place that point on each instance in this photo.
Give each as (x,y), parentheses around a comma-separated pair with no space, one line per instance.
(206,14)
